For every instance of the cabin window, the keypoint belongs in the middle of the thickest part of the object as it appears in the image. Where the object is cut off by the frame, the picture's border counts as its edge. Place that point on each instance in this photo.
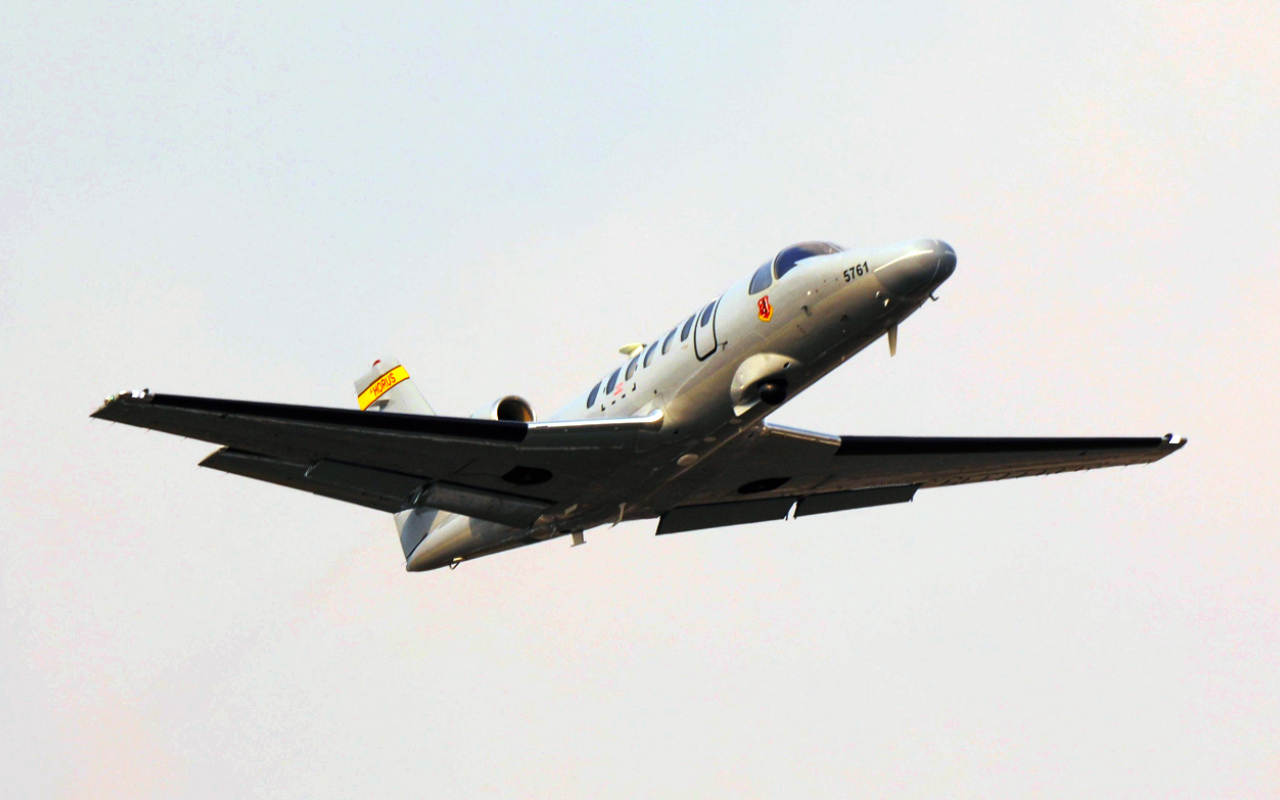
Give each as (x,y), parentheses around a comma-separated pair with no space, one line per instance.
(591,398)
(787,259)
(688,326)
(706,314)
(648,353)
(613,381)
(666,345)
(631,368)
(763,278)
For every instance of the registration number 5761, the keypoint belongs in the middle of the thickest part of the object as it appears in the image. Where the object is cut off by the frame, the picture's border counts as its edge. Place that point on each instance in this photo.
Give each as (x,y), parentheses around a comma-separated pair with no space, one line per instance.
(856,271)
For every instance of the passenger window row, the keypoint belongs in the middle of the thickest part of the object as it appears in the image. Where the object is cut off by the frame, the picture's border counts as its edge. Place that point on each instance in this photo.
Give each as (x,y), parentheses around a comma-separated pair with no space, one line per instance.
(701,318)
(768,272)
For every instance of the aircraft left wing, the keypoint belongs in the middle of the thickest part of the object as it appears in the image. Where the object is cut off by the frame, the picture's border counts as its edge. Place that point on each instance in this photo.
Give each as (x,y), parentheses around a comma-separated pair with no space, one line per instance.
(507,472)
(768,472)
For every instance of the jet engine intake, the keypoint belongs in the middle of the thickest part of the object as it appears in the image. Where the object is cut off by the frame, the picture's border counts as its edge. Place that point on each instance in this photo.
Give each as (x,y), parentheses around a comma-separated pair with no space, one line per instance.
(511,408)
(773,392)
(762,378)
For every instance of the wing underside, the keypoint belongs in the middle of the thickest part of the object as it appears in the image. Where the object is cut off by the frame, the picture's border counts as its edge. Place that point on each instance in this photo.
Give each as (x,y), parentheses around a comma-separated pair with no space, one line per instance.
(768,473)
(507,472)
(516,473)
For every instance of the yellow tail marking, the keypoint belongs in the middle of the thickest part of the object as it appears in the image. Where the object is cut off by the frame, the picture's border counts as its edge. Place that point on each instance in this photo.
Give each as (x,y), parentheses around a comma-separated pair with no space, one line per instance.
(379,387)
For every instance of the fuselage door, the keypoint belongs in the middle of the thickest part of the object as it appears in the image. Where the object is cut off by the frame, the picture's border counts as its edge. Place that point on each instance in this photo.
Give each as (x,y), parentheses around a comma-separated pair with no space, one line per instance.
(704,330)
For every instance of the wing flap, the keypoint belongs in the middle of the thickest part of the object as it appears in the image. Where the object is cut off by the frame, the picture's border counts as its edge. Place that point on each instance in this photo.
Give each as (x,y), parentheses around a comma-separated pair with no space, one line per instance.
(294,476)
(365,479)
(715,515)
(857,498)
(380,489)
(741,512)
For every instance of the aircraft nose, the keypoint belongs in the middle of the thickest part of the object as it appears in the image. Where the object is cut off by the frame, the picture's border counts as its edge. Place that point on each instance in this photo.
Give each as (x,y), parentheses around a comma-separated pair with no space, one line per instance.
(946,262)
(922,265)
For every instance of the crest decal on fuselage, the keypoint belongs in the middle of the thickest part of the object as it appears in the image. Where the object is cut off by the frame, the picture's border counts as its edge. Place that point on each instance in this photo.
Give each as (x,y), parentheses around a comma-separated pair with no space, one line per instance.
(764,309)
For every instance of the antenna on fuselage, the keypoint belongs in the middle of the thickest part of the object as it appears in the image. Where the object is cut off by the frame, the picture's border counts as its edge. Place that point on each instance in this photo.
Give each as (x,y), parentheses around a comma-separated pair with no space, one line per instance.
(893,340)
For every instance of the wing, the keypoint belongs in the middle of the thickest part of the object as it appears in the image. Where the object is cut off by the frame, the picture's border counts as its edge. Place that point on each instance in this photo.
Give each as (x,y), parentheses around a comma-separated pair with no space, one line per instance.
(763,475)
(507,472)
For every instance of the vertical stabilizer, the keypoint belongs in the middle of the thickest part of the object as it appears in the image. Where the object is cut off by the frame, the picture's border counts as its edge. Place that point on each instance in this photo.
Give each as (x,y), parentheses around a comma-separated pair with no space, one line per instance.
(386,387)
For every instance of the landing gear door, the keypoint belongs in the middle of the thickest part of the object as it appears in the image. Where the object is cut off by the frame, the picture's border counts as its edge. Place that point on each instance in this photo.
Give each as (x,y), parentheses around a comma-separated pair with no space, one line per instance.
(704,330)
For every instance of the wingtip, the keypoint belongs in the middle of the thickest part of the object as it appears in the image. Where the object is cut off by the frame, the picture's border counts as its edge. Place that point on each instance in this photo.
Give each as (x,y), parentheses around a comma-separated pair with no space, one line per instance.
(112,400)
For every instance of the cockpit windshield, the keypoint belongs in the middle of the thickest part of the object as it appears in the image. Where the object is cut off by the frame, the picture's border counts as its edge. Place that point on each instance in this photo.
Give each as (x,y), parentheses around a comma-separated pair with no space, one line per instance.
(785,261)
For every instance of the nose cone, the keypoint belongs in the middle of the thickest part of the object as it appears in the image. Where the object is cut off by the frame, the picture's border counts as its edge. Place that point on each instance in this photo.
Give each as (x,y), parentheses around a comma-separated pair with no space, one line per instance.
(946,262)
(920,266)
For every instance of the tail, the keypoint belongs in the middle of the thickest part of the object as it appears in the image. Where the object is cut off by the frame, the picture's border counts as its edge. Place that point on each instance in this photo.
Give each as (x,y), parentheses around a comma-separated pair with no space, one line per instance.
(386,387)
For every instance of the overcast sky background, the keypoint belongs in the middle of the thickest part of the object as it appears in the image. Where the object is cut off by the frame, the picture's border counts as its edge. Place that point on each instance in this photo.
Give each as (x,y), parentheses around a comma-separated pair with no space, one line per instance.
(254,201)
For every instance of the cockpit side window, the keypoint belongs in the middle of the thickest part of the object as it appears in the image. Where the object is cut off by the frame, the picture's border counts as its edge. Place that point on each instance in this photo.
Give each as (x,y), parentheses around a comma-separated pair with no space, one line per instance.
(613,381)
(763,278)
(631,368)
(688,326)
(649,352)
(595,391)
(787,259)
(706,314)
(666,345)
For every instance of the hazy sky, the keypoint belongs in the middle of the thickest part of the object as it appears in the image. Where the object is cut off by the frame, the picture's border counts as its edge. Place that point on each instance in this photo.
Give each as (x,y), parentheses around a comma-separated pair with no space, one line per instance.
(256,200)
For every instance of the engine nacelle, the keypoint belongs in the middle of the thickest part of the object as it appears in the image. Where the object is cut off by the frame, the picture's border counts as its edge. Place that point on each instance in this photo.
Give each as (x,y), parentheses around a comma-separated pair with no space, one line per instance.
(762,378)
(773,392)
(511,408)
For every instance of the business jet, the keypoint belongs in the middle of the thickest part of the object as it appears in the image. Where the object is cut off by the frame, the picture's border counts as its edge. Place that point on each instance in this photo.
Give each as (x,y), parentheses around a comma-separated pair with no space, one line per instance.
(675,431)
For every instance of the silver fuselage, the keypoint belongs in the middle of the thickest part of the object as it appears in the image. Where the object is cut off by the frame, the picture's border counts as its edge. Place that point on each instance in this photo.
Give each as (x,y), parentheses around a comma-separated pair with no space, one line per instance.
(819,314)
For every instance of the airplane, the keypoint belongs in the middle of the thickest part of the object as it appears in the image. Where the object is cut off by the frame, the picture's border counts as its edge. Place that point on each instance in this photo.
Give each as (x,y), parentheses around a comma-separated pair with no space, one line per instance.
(676,431)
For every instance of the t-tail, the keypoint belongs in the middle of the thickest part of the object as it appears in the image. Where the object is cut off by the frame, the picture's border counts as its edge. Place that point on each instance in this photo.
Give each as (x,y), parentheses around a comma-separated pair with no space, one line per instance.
(387,387)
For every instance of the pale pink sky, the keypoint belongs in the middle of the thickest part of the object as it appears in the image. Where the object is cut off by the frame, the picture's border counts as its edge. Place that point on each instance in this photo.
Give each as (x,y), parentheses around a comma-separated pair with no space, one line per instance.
(255,202)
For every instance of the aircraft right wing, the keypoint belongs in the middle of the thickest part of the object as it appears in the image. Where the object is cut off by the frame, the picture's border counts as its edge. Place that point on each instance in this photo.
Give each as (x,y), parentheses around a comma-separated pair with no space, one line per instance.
(767,473)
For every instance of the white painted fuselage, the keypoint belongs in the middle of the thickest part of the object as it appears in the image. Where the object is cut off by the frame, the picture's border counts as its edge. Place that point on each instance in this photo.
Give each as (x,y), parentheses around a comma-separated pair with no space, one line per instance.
(764,340)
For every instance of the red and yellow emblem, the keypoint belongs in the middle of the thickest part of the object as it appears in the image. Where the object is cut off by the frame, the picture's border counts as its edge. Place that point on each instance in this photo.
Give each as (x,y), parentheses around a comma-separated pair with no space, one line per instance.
(765,309)
(379,387)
